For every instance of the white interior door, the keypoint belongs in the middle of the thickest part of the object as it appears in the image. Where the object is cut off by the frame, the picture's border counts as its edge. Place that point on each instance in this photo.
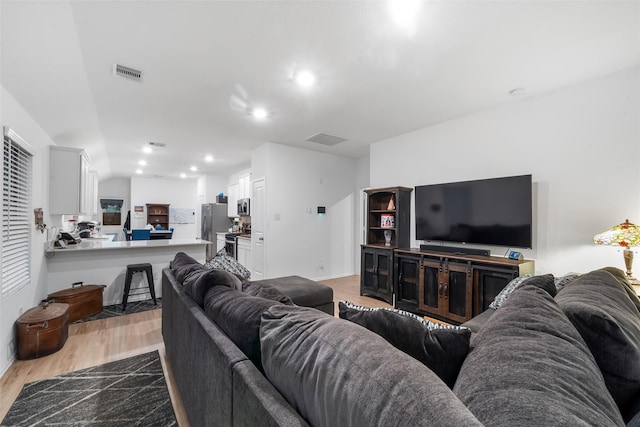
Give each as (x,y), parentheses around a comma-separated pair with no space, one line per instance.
(258,229)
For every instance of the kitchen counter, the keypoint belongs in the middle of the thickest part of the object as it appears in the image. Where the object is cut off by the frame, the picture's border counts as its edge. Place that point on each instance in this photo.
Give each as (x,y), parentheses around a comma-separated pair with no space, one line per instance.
(93,244)
(102,262)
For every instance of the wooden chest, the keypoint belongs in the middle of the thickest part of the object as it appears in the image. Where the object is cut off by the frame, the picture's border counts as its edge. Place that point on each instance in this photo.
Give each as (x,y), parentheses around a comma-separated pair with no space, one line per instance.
(42,330)
(83,300)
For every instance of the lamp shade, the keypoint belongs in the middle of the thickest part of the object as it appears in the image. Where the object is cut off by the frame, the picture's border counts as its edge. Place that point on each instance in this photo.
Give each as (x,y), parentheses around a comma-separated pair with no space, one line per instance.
(625,235)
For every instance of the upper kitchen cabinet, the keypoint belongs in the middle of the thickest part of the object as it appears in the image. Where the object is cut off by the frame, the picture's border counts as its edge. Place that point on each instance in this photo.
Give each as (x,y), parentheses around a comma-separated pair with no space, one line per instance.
(237,191)
(245,187)
(232,200)
(72,186)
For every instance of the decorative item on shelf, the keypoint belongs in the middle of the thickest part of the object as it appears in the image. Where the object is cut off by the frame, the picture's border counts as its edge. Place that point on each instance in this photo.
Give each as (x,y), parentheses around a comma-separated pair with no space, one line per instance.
(387,221)
(391,206)
(625,235)
(387,237)
(39,221)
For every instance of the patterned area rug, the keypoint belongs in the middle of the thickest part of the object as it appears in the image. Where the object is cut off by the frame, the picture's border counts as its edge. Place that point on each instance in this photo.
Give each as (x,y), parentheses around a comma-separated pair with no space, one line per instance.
(116,309)
(128,392)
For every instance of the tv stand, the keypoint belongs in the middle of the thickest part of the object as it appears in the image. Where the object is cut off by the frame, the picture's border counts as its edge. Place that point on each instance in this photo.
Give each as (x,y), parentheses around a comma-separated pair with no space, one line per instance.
(448,286)
(456,250)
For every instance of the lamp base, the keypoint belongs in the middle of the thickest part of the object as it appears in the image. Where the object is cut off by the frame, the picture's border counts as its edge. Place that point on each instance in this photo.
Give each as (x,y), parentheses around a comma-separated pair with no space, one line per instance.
(633,281)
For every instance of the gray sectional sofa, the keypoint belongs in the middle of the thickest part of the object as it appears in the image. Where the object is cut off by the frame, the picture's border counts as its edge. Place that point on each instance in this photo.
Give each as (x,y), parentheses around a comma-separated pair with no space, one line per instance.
(245,360)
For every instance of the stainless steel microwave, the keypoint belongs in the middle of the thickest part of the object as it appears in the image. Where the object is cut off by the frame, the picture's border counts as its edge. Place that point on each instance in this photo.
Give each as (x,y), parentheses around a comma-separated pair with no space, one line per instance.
(243,207)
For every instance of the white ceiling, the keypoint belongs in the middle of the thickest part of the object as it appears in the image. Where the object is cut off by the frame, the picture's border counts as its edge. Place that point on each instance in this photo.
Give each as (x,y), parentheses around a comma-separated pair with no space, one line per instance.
(200,58)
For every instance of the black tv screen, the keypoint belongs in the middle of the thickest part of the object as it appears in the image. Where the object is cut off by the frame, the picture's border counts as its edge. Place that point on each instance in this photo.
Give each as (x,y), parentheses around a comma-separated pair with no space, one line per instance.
(494,211)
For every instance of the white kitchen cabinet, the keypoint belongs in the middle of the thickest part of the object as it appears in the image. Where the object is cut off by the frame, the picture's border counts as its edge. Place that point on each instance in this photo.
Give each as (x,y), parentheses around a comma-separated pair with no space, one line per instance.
(70,184)
(244,252)
(219,241)
(232,200)
(245,187)
(91,196)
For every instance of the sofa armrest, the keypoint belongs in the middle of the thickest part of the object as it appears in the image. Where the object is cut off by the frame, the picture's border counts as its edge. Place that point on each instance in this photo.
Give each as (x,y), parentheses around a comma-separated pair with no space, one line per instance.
(257,402)
(201,356)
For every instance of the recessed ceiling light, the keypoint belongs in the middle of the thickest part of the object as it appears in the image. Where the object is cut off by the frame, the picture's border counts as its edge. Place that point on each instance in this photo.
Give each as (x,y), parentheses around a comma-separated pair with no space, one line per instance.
(183,175)
(305,78)
(259,113)
(147,150)
(208,158)
(193,168)
(139,171)
(142,162)
(404,13)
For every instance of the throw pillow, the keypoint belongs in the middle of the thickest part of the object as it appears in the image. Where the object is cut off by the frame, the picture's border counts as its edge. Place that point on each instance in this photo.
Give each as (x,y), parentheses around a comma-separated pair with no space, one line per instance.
(609,322)
(508,290)
(198,284)
(442,348)
(182,266)
(337,373)
(562,281)
(266,291)
(238,316)
(222,261)
(530,366)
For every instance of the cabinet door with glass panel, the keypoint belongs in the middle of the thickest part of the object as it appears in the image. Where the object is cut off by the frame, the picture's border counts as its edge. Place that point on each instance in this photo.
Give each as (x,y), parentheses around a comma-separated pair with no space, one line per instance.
(446,290)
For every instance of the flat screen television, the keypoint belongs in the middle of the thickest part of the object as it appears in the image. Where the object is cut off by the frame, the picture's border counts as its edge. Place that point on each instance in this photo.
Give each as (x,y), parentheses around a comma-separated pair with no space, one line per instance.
(495,211)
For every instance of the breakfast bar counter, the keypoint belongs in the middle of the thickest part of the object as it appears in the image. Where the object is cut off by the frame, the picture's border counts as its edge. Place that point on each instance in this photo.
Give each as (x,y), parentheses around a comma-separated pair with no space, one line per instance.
(103,262)
(103,244)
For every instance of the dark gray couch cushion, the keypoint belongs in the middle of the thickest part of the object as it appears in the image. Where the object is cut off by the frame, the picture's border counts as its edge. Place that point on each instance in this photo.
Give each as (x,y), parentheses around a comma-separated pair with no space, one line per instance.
(600,308)
(238,315)
(182,266)
(477,322)
(198,283)
(337,373)
(302,291)
(441,348)
(266,291)
(622,279)
(530,367)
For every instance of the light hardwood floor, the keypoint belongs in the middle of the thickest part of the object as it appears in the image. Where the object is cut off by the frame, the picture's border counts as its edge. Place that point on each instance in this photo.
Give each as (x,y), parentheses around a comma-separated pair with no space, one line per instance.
(101,341)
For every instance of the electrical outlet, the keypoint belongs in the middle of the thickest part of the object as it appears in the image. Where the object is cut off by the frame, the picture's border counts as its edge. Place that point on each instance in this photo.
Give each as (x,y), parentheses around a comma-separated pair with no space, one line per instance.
(321,266)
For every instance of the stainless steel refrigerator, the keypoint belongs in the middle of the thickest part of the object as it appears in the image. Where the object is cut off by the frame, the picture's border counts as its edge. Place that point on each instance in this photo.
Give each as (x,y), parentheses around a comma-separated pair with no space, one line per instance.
(214,220)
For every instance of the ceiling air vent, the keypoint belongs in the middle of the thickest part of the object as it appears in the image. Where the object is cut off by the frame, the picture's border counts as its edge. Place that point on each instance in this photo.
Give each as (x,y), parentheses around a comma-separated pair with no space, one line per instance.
(324,139)
(129,73)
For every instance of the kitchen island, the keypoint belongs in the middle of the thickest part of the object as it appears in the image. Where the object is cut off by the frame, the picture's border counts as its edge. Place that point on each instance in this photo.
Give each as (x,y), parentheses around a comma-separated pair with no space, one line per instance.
(103,262)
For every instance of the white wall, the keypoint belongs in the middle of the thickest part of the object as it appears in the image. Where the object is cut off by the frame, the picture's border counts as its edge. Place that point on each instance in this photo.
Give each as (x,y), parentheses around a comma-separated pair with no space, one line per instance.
(11,306)
(298,243)
(209,186)
(362,182)
(178,194)
(581,144)
(115,188)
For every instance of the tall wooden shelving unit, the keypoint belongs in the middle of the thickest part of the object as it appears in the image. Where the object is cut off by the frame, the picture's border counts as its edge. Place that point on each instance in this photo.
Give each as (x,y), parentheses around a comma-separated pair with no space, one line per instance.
(158,215)
(388,212)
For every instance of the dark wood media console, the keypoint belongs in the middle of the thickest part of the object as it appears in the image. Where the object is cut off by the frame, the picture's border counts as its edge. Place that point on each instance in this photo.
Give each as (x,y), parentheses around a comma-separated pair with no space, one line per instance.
(449,286)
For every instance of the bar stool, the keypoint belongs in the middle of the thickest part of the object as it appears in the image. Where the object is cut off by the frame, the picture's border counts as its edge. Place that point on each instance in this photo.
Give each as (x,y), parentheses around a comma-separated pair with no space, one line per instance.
(138,268)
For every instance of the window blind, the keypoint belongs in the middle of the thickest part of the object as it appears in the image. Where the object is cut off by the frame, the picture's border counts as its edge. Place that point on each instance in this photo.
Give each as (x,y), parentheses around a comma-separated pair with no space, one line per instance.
(16,201)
